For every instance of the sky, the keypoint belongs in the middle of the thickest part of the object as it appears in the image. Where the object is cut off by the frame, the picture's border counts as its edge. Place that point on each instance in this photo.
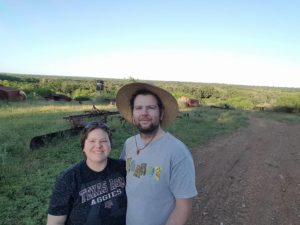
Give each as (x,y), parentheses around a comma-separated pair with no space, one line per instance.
(233,42)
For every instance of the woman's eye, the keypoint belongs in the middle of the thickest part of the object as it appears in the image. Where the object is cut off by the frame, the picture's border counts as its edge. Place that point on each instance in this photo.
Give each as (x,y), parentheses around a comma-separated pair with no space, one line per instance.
(99,141)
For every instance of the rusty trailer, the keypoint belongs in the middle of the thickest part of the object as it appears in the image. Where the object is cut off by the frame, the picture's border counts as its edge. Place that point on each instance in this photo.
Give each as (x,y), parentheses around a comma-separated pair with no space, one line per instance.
(78,122)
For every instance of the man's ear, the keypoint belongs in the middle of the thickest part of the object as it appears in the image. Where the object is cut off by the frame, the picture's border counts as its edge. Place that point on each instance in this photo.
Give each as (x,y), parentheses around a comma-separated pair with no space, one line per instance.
(161,115)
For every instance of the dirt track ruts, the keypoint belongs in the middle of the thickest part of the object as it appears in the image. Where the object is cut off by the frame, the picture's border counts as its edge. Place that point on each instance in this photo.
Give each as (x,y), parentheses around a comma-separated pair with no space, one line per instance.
(250,177)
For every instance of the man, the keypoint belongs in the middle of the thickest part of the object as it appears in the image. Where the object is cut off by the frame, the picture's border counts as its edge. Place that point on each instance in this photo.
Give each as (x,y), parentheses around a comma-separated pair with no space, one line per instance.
(160,169)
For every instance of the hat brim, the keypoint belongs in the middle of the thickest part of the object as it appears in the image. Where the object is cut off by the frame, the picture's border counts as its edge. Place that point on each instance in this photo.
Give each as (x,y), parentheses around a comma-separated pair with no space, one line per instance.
(125,94)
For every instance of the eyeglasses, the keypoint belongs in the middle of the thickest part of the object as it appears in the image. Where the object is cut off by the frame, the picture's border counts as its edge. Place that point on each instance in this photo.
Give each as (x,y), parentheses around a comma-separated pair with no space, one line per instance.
(99,124)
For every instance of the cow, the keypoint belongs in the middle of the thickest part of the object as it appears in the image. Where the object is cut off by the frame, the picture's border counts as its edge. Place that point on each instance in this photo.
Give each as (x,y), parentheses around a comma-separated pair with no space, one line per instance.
(189,102)
(9,93)
(58,97)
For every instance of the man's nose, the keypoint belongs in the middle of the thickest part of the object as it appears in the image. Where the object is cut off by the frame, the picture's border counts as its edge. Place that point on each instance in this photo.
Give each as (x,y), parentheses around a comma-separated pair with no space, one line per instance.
(144,110)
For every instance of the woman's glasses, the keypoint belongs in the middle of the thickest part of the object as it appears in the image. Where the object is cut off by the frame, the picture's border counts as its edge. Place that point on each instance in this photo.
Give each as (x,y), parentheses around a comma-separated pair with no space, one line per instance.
(94,125)
(99,124)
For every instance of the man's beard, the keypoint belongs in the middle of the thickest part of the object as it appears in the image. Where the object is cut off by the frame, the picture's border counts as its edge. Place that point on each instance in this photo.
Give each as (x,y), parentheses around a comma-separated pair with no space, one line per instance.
(148,130)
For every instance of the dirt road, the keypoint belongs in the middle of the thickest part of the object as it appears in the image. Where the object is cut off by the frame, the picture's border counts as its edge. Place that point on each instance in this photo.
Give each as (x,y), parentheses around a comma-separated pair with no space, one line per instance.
(250,177)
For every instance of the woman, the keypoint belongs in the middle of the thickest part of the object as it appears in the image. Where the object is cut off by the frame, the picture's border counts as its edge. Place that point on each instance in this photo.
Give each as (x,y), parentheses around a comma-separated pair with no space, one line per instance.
(93,190)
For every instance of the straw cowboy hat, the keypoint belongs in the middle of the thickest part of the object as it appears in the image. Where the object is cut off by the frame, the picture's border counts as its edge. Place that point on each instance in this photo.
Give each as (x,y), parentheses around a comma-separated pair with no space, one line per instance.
(126,92)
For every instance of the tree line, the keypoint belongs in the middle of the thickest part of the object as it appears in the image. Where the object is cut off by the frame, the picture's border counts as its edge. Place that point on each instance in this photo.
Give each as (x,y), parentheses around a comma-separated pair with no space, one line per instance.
(236,96)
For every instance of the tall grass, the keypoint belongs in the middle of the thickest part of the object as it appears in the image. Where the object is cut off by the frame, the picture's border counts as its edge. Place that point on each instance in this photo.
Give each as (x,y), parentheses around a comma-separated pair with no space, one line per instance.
(27,176)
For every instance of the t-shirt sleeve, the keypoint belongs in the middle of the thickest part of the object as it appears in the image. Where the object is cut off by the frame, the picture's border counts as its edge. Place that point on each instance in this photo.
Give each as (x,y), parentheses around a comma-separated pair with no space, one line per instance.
(62,197)
(182,182)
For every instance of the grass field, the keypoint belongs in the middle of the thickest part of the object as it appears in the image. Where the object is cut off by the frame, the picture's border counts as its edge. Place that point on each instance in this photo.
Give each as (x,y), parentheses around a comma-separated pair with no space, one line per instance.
(27,176)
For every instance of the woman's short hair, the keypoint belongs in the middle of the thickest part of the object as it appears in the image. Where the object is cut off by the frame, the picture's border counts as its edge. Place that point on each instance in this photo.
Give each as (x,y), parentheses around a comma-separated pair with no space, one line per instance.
(92,126)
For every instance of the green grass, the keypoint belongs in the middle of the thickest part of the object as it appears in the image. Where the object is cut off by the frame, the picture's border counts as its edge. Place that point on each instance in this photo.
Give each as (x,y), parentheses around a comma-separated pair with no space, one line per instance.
(204,124)
(27,177)
(279,116)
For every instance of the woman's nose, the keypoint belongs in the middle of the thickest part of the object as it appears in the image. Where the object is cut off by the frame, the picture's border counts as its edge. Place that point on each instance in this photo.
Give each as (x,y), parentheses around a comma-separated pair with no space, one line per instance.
(98,143)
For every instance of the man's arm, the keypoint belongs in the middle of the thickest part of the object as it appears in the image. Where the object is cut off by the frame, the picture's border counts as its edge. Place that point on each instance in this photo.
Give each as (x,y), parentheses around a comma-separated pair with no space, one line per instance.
(56,220)
(181,212)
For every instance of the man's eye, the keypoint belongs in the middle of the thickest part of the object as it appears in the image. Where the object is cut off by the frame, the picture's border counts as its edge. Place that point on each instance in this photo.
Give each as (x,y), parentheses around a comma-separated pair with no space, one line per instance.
(153,107)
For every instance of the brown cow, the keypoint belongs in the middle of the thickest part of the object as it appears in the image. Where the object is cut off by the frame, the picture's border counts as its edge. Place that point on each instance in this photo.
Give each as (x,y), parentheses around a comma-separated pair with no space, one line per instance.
(189,102)
(9,93)
(58,97)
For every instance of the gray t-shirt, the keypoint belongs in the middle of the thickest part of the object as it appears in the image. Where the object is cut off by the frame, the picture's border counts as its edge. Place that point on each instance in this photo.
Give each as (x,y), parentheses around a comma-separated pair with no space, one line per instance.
(161,173)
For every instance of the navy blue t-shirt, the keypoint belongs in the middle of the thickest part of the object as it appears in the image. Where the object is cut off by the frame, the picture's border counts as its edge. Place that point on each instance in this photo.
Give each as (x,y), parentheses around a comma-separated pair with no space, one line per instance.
(91,198)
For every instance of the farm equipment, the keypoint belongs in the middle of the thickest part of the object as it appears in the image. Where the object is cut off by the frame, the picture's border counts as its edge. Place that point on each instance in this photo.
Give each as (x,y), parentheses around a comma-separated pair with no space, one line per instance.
(77,124)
